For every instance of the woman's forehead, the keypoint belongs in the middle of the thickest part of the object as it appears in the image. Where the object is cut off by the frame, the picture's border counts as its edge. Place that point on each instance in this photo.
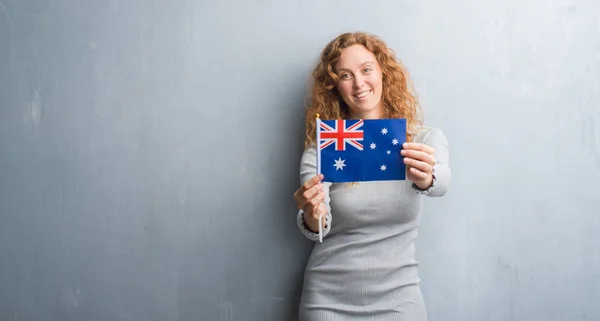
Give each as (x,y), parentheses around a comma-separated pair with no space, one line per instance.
(354,57)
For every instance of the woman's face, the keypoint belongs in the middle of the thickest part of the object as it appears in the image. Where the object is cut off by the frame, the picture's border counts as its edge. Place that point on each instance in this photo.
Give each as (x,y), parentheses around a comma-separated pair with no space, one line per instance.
(360,82)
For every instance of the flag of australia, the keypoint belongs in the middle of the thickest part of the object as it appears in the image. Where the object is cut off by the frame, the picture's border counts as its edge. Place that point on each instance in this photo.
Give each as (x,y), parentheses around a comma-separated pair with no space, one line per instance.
(355,150)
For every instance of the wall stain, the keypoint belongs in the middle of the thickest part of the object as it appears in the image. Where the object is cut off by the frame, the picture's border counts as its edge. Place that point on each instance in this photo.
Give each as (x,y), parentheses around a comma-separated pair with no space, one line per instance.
(591,135)
(33,115)
(226,311)
(5,11)
(514,284)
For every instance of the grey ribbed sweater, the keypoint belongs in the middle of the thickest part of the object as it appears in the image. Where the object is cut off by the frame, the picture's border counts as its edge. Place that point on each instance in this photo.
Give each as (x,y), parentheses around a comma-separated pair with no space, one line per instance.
(366,269)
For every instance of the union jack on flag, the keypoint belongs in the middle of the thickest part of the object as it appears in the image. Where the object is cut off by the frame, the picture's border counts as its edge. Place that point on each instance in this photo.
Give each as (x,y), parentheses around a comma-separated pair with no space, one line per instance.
(341,133)
(354,150)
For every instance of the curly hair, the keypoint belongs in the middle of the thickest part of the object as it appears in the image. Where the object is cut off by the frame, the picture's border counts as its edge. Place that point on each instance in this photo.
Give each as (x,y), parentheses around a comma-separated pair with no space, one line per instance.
(398,97)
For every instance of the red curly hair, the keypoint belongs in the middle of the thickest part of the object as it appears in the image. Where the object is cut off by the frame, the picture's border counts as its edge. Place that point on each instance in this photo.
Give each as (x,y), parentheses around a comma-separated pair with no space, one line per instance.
(398,97)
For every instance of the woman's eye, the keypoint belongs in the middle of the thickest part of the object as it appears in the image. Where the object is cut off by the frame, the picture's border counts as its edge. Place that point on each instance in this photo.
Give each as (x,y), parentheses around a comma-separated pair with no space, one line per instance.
(368,69)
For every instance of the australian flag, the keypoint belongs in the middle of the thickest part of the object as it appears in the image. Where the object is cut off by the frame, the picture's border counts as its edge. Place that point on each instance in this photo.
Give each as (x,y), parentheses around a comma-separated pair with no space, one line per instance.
(354,150)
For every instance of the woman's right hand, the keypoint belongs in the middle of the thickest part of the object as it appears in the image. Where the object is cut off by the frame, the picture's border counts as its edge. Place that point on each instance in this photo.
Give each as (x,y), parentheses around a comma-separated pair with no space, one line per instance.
(309,198)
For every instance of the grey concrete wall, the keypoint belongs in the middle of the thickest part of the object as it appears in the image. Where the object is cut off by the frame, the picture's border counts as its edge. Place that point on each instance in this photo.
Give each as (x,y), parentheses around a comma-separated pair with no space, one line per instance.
(149,151)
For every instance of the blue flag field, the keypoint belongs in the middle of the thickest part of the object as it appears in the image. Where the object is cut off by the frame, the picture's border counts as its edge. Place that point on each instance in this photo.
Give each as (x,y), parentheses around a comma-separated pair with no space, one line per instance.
(356,150)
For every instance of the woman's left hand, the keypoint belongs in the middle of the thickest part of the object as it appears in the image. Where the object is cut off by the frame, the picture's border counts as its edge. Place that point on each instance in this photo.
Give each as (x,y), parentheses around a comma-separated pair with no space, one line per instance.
(419,160)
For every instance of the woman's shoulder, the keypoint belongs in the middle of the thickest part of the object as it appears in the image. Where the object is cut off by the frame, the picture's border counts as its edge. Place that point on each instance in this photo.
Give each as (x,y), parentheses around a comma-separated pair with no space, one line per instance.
(427,133)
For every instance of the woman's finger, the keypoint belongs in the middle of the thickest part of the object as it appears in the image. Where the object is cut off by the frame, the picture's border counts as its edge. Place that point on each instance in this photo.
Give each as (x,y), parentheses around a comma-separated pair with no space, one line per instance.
(314,202)
(420,165)
(307,190)
(312,182)
(419,147)
(420,175)
(309,195)
(418,155)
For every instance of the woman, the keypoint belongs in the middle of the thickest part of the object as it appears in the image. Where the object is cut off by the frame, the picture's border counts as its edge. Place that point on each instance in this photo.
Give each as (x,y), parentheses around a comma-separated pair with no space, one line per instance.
(365,268)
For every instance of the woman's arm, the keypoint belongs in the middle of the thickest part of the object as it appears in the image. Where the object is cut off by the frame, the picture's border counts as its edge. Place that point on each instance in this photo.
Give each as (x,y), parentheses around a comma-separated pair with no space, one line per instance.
(308,170)
(442,174)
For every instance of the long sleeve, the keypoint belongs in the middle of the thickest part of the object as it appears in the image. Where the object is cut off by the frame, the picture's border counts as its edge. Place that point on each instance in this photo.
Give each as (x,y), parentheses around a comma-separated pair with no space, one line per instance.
(308,169)
(435,138)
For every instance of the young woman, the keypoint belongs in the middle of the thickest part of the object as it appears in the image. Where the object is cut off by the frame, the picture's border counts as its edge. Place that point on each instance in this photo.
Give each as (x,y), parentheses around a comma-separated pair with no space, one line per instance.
(365,268)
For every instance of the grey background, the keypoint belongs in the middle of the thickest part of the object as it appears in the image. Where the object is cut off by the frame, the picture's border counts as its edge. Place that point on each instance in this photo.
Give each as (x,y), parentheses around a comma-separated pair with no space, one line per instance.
(149,151)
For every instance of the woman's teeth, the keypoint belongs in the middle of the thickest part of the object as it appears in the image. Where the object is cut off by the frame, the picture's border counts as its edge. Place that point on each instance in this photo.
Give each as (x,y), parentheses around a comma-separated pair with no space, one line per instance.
(363,94)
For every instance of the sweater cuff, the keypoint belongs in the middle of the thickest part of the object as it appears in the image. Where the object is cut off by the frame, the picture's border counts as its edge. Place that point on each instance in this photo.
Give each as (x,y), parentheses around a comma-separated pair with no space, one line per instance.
(308,233)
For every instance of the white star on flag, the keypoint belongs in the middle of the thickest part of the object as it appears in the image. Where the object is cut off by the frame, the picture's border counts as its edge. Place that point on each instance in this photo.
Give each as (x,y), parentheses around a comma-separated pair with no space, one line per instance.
(384,131)
(373,145)
(383,168)
(389,152)
(339,164)
(395,141)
